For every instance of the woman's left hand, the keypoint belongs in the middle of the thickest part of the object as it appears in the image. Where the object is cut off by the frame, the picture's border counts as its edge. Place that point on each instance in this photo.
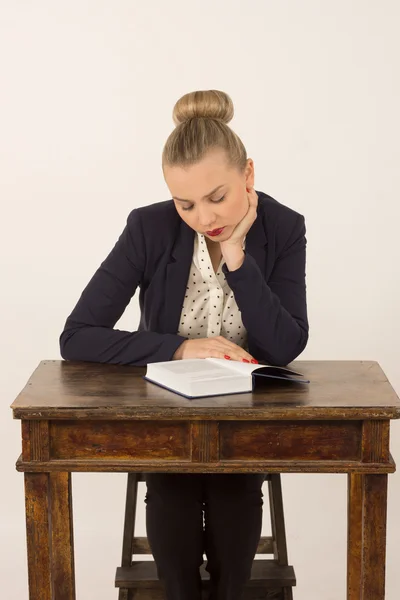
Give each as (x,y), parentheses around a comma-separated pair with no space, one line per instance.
(244,225)
(232,248)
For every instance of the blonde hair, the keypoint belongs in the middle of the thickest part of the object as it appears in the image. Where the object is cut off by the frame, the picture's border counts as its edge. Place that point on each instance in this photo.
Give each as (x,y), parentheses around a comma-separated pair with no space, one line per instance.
(201,119)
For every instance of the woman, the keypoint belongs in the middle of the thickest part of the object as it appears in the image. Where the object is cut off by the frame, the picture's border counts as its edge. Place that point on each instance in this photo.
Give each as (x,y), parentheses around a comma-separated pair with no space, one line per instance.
(221,271)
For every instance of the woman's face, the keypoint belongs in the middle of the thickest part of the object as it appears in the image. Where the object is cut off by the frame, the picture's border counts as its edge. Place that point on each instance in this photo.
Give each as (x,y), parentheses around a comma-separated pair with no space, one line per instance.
(224,208)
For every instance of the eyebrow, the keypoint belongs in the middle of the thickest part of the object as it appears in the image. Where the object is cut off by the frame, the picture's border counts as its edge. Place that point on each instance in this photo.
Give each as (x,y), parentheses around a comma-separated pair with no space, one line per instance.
(206,196)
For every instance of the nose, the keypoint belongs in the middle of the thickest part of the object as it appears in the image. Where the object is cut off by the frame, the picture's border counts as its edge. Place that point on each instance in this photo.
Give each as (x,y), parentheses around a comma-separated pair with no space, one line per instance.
(206,217)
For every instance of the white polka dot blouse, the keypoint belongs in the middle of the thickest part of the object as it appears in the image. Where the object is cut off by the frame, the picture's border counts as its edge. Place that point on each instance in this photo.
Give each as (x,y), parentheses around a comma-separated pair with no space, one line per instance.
(209,307)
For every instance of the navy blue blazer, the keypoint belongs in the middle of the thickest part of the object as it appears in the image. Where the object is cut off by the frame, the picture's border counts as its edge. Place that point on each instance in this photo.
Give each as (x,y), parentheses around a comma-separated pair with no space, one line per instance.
(154,252)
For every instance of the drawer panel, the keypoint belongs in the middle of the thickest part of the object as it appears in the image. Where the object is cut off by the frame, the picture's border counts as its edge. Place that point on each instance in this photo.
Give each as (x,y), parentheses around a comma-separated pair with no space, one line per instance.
(142,440)
(286,440)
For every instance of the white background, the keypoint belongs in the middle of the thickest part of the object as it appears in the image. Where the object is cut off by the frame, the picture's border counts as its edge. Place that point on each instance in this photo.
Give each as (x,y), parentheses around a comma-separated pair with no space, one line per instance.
(87,91)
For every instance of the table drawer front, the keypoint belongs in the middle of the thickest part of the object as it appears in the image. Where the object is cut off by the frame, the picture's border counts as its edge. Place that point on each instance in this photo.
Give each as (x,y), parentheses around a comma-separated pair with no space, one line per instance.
(286,440)
(169,440)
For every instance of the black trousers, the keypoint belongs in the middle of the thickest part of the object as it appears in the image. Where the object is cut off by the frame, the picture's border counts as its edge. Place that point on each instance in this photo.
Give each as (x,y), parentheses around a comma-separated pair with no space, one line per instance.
(191,514)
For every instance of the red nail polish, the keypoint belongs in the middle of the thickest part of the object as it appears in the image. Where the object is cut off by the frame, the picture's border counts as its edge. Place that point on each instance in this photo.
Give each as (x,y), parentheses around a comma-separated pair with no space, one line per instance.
(245,360)
(227,357)
(254,361)
(248,190)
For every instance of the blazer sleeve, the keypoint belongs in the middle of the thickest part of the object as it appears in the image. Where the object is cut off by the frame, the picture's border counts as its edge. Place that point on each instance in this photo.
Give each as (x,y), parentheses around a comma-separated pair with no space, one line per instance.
(88,333)
(275,313)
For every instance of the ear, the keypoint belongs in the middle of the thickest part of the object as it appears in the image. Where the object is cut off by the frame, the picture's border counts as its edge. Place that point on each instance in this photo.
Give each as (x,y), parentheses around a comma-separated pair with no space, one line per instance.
(249,173)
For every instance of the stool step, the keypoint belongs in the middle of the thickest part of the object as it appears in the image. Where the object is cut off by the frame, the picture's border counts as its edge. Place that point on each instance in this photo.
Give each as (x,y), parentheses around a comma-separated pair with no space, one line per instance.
(249,594)
(264,573)
(141,545)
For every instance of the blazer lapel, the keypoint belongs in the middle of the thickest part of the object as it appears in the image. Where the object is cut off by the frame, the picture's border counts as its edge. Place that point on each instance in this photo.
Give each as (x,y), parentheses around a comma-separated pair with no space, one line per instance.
(177,274)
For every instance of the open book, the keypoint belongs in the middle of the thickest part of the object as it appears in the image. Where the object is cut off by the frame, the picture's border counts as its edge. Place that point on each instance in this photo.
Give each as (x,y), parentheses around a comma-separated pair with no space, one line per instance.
(197,377)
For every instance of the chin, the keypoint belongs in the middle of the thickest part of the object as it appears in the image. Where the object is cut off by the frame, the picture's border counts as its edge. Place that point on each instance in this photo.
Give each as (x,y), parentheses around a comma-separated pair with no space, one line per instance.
(225,235)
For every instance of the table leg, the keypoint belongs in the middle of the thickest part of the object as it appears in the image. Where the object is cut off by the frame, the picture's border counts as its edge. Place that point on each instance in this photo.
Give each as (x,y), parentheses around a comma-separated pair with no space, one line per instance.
(367,508)
(49,536)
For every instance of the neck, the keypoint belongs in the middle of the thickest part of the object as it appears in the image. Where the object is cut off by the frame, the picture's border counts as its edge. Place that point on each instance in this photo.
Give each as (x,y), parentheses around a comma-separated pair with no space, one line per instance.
(213,246)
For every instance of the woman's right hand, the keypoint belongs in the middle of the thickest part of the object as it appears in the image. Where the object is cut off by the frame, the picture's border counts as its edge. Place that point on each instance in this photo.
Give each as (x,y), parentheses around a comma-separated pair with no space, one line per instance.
(213,347)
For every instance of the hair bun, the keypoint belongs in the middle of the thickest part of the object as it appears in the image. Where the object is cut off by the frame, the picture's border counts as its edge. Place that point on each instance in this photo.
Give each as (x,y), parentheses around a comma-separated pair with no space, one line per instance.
(207,104)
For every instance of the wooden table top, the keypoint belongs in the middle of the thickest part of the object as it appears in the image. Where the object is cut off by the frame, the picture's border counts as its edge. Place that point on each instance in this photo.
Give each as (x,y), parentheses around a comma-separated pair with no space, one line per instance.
(81,390)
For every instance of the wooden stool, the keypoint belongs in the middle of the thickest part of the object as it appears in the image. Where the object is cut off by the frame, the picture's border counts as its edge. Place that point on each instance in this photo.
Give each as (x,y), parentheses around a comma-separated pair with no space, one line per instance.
(270,579)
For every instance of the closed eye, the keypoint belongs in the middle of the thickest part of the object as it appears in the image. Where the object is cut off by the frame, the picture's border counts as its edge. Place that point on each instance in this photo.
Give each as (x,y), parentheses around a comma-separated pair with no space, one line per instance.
(213,201)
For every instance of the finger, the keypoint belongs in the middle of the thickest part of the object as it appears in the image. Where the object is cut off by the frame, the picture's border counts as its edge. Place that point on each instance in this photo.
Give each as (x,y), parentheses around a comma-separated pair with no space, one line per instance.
(241,358)
(234,351)
(218,353)
(252,193)
(253,198)
(232,345)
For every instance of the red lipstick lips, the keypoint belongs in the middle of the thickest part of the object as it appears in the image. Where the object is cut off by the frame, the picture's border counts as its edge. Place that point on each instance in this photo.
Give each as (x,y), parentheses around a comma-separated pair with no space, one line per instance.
(215,232)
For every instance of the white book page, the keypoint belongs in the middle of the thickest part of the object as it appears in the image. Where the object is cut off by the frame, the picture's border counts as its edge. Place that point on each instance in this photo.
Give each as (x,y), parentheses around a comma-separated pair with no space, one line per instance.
(193,370)
(234,365)
(248,368)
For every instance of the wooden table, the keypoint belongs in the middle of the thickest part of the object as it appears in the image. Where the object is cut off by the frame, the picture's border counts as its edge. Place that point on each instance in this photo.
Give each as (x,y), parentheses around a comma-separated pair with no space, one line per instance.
(106,418)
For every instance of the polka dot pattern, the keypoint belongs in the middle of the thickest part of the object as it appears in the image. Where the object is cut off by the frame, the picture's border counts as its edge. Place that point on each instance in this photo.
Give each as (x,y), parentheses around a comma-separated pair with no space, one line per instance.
(209,308)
